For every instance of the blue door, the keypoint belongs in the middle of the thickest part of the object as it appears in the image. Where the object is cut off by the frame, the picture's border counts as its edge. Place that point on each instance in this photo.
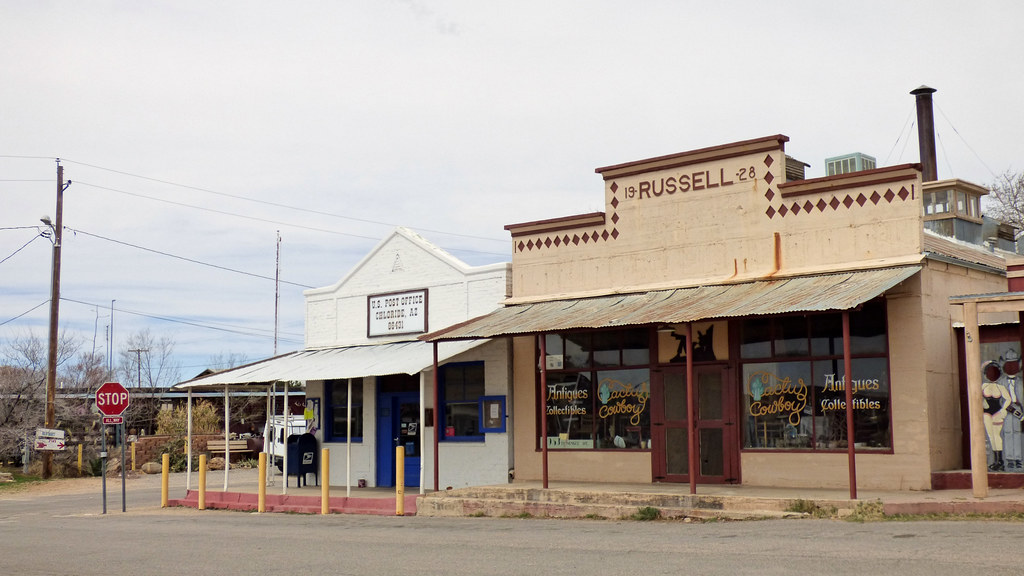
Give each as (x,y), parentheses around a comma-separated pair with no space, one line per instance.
(398,424)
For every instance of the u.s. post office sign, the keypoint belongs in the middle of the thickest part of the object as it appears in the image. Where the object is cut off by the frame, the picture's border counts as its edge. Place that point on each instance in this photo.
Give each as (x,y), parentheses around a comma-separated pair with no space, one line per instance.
(397,313)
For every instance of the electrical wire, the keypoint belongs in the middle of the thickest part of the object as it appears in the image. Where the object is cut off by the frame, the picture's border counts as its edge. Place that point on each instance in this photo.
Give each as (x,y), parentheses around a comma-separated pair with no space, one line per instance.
(25,312)
(34,238)
(191,260)
(244,331)
(255,218)
(274,204)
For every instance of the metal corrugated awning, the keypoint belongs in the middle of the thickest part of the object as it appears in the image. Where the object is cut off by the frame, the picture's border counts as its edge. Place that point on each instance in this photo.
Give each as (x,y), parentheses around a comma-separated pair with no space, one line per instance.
(837,291)
(333,363)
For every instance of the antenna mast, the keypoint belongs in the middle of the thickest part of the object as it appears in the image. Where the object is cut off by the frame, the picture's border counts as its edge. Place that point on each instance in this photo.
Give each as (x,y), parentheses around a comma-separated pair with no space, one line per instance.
(277,289)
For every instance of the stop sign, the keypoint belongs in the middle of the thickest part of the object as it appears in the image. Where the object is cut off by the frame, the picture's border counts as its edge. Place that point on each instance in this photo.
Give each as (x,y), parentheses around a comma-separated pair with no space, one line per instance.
(112,399)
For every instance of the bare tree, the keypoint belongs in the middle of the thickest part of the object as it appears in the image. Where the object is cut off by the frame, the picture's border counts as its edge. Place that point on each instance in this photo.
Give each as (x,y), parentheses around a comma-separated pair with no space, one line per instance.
(23,364)
(248,410)
(147,364)
(1006,199)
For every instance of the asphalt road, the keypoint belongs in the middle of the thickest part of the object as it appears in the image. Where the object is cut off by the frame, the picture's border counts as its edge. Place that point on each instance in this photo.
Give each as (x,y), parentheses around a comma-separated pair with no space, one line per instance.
(65,533)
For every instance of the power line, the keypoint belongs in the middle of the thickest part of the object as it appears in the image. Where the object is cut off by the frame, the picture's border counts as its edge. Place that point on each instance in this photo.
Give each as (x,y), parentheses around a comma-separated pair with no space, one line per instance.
(192,260)
(254,218)
(275,204)
(43,303)
(34,238)
(245,331)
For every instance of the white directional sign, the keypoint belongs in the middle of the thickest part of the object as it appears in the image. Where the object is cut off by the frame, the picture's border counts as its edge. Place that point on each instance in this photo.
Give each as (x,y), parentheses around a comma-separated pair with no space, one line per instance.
(49,439)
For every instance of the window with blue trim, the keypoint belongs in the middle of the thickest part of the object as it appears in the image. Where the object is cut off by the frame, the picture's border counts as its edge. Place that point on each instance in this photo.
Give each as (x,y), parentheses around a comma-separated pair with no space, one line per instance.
(336,399)
(461,386)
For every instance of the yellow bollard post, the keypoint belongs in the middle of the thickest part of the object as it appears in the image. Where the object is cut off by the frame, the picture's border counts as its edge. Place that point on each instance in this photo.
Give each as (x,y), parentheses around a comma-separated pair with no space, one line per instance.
(202,481)
(79,459)
(261,498)
(325,481)
(400,481)
(165,470)
(133,456)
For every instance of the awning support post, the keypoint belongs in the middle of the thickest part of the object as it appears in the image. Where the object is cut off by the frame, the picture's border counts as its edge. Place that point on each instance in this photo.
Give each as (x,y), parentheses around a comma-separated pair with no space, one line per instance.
(188,442)
(975,401)
(691,418)
(348,440)
(287,430)
(851,448)
(227,435)
(437,433)
(544,407)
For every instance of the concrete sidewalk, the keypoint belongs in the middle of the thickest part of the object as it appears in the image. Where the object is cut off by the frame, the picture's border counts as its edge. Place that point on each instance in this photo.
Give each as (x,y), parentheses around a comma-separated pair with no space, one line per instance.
(243,488)
(579,499)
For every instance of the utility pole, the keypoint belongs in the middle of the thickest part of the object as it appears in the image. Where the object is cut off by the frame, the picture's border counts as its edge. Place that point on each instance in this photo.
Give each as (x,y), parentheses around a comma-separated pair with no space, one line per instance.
(51,368)
(138,363)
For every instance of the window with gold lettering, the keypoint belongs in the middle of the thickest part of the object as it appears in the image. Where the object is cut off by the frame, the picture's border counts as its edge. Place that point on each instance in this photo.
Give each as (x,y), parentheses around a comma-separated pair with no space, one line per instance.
(598,389)
(800,403)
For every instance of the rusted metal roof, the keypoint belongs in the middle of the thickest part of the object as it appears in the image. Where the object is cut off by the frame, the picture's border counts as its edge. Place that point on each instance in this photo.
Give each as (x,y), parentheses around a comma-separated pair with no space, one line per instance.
(837,291)
(332,363)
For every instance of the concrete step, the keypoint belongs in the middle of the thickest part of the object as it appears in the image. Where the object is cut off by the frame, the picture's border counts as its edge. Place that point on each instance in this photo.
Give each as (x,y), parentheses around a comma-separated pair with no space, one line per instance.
(513,501)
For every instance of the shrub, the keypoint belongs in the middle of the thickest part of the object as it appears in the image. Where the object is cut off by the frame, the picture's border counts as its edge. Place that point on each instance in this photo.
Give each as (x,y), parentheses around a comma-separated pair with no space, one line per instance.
(174,422)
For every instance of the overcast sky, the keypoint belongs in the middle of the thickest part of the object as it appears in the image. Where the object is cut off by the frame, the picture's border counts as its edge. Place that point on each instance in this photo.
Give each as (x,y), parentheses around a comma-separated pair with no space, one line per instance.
(193,131)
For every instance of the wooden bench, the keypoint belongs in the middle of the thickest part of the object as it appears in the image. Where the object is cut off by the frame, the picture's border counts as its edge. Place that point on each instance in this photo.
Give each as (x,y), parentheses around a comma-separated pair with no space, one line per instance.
(237,446)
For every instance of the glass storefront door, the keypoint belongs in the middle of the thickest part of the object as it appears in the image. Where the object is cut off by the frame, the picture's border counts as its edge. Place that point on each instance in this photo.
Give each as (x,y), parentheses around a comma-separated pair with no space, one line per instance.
(717,449)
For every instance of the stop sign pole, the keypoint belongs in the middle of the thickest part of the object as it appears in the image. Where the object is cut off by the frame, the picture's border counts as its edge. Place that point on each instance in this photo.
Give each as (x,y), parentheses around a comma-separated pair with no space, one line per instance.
(112,400)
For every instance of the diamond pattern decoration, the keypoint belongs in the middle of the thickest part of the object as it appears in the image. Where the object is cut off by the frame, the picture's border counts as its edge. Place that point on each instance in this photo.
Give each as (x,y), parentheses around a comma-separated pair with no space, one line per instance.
(615,202)
(769,178)
(558,241)
(808,206)
(769,194)
(614,187)
(615,218)
(768,160)
(615,233)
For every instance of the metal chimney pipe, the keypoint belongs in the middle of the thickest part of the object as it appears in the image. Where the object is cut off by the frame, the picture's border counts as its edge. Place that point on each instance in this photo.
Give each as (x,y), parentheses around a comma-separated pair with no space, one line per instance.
(926,132)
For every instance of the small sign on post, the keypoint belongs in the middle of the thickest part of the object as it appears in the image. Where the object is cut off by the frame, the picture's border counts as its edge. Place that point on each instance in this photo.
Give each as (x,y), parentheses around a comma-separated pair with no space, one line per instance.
(49,439)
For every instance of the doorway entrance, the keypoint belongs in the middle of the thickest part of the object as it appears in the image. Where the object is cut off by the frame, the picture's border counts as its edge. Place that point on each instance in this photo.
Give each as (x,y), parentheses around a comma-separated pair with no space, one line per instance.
(717,442)
(398,424)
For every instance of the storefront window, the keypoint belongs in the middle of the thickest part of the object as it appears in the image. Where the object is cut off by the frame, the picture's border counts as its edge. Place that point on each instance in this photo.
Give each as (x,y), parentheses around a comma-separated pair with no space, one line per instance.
(599,409)
(801,404)
(756,338)
(337,408)
(462,386)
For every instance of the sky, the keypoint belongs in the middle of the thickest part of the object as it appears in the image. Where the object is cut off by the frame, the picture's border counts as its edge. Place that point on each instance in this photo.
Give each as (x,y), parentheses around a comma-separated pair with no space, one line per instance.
(194,133)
